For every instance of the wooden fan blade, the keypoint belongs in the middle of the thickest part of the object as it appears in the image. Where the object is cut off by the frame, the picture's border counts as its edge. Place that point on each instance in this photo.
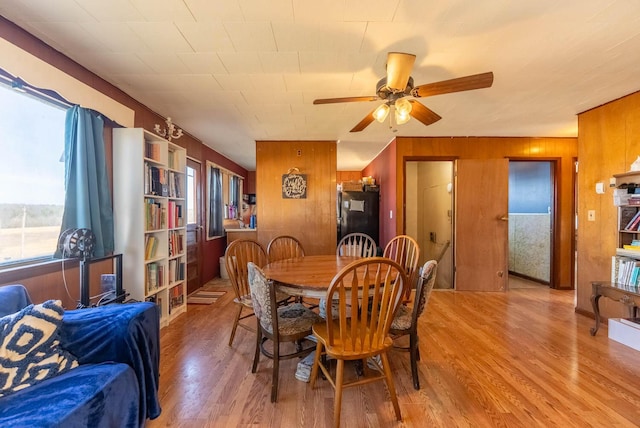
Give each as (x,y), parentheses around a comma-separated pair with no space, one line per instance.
(344,100)
(423,114)
(364,122)
(399,66)
(467,83)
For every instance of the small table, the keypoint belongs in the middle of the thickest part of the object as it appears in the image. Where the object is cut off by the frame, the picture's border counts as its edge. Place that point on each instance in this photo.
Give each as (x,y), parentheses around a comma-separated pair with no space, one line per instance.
(629,295)
(307,276)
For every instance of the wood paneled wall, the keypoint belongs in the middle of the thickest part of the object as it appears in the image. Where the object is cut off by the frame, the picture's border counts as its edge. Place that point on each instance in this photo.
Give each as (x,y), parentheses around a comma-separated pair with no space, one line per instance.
(312,220)
(428,148)
(608,142)
(348,176)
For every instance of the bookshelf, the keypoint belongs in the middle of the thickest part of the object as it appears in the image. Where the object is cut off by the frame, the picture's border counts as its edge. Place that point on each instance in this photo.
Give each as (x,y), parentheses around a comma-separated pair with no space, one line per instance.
(149,189)
(625,265)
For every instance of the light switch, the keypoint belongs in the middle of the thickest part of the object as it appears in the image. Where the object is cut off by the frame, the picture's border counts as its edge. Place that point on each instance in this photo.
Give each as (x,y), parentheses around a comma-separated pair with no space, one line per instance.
(390,213)
(591,215)
(600,188)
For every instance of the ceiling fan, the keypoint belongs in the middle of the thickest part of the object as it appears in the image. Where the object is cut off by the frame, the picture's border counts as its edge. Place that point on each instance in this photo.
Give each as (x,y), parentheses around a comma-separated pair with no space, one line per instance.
(398,84)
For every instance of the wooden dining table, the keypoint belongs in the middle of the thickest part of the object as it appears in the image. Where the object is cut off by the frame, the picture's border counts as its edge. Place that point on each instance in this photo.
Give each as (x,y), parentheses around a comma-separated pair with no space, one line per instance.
(307,276)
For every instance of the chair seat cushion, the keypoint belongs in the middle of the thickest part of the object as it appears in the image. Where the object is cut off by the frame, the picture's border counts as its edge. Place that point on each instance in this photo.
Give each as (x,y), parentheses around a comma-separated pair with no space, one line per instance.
(246,300)
(402,321)
(294,319)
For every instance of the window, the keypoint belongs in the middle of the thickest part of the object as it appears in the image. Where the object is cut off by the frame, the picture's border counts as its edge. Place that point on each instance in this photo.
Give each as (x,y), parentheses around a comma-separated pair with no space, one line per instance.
(32,175)
(224,197)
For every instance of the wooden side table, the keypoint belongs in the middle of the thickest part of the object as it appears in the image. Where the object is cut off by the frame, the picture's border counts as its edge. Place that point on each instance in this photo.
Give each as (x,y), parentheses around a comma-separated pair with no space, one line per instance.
(628,295)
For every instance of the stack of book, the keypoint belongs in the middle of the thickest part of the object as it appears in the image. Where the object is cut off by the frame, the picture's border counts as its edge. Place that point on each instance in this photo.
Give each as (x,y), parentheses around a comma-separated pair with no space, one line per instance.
(154,277)
(633,246)
(634,223)
(150,247)
(625,271)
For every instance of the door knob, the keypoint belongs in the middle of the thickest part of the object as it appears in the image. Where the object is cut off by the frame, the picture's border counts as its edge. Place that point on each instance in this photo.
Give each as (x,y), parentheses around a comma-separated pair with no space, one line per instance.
(504,218)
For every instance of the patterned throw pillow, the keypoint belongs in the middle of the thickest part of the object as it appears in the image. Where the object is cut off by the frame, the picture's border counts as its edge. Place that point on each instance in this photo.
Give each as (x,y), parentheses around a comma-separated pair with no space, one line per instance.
(29,347)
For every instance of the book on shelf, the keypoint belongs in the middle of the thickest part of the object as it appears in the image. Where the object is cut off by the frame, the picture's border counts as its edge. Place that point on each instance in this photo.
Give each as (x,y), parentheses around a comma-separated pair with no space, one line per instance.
(155,214)
(176,243)
(625,271)
(176,270)
(176,297)
(171,160)
(154,277)
(151,247)
(174,217)
(626,216)
(152,150)
(633,277)
(175,184)
(633,223)
(156,181)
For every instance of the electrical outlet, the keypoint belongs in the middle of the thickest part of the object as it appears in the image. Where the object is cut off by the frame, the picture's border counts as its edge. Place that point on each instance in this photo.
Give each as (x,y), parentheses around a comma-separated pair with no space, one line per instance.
(591,215)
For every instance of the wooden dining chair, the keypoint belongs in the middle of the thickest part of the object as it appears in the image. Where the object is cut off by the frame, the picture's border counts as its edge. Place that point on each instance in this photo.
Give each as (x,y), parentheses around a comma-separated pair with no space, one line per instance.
(404,250)
(357,244)
(284,247)
(238,254)
(277,323)
(405,322)
(352,244)
(360,331)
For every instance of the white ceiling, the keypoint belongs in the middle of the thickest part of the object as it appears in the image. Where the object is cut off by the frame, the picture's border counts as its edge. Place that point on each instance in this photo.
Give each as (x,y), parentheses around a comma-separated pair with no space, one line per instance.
(235,71)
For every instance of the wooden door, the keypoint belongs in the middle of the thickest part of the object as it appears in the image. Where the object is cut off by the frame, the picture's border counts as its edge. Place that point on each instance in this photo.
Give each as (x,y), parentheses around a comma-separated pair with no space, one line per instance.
(194,225)
(482,228)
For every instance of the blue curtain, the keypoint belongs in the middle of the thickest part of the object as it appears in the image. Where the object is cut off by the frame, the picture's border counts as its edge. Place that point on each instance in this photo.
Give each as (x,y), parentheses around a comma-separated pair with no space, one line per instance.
(87,199)
(215,203)
(234,191)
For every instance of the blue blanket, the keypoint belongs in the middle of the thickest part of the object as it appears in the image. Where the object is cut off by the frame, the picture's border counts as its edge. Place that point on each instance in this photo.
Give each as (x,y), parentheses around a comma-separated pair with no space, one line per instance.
(123,333)
(96,395)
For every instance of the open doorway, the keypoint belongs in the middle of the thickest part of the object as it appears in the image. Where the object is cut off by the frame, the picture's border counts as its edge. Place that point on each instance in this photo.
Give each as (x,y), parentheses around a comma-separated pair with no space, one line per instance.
(531,221)
(429,214)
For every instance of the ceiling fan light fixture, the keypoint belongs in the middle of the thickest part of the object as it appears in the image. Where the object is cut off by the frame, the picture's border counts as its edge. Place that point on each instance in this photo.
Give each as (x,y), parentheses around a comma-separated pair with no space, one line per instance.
(403,106)
(381,113)
(402,117)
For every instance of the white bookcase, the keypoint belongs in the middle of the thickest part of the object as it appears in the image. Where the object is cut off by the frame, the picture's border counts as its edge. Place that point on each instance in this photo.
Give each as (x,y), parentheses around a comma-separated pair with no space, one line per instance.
(149,190)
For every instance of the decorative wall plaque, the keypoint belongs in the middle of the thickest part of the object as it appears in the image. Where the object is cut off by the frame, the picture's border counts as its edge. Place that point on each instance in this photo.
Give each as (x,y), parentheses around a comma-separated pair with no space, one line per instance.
(294,186)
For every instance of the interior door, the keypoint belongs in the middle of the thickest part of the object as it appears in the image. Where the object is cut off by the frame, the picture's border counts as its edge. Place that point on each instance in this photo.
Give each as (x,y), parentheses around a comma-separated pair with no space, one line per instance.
(482,228)
(194,225)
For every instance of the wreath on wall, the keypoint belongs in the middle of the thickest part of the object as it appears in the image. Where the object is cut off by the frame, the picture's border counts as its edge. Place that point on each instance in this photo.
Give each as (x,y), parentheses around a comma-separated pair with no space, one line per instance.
(294,185)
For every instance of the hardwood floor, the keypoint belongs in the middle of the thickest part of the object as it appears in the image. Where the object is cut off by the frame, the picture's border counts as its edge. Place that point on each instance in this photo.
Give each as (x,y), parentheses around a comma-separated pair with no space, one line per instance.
(516,359)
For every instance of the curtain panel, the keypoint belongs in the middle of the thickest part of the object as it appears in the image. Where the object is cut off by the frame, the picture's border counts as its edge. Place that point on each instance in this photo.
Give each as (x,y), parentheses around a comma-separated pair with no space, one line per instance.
(87,197)
(214,226)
